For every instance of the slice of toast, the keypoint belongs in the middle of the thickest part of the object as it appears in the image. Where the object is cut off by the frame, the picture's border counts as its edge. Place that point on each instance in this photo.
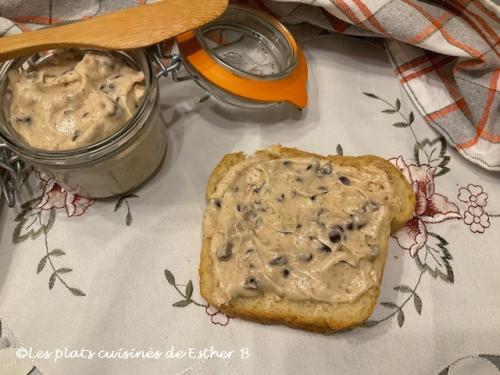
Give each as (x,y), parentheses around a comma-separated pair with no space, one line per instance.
(313,308)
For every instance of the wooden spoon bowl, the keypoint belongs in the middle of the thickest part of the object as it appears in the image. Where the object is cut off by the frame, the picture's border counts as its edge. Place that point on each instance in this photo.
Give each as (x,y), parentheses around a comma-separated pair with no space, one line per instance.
(135,27)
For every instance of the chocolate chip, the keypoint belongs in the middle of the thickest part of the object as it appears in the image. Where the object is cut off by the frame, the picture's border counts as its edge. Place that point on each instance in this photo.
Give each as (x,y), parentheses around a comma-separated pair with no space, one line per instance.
(285,272)
(325,249)
(309,167)
(313,198)
(281,198)
(85,114)
(249,251)
(350,225)
(26,120)
(225,252)
(345,180)
(76,134)
(299,179)
(250,283)
(107,87)
(298,226)
(218,203)
(360,225)
(335,236)
(116,109)
(279,261)
(326,169)
(238,207)
(287,163)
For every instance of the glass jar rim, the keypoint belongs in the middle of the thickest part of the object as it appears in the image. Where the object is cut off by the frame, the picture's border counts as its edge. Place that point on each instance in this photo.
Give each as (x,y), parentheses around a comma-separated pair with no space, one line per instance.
(102,147)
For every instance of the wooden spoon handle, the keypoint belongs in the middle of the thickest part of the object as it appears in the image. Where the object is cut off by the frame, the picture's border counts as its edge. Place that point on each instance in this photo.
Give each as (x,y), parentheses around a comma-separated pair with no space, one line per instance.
(125,29)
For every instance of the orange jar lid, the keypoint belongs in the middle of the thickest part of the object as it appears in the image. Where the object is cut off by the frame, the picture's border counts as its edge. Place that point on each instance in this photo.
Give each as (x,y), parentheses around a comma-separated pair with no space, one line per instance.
(246,57)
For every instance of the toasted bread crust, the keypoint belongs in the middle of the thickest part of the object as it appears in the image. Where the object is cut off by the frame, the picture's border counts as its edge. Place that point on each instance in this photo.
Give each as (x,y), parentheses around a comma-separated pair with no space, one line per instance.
(310,316)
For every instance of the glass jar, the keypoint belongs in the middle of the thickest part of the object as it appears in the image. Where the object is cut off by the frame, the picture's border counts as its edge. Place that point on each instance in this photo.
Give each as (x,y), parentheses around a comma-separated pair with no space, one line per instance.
(245,58)
(112,166)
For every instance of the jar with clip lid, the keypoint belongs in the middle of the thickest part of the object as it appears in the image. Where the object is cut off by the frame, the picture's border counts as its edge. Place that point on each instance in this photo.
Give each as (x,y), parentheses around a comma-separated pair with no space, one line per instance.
(245,58)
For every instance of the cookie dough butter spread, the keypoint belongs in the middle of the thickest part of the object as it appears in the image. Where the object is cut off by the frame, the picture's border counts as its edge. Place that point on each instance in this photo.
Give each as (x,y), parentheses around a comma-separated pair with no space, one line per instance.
(73,99)
(300,229)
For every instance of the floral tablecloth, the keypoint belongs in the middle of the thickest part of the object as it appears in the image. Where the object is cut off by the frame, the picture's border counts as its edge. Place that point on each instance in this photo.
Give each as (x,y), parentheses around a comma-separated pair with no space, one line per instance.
(111,287)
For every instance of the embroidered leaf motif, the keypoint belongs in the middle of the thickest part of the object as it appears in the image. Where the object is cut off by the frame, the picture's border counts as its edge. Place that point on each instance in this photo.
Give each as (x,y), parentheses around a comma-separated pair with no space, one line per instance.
(435,258)
(41,264)
(443,170)
(400,125)
(120,201)
(340,151)
(189,289)
(403,289)
(411,118)
(52,280)
(64,270)
(369,94)
(119,204)
(389,305)
(417,301)
(370,323)
(401,318)
(398,104)
(432,153)
(170,278)
(389,111)
(188,292)
(57,253)
(183,303)
(32,221)
(77,292)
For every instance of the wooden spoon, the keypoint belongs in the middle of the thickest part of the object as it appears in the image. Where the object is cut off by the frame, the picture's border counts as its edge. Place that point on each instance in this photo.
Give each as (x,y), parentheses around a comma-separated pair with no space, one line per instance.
(128,28)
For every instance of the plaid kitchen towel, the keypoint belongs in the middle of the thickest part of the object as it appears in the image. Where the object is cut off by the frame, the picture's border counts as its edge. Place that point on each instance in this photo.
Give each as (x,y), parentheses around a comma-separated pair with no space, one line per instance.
(446,53)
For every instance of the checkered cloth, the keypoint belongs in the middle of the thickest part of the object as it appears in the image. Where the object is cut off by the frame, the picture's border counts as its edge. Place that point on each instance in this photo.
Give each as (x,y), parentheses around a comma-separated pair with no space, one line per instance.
(446,53)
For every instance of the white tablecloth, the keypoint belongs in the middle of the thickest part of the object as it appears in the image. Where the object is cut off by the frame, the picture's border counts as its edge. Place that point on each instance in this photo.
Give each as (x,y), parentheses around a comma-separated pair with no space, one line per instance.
(439,308)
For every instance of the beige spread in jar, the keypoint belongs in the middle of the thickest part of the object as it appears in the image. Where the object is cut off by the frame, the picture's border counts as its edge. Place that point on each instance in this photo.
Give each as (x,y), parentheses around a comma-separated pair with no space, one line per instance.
(302,229)
(73,99)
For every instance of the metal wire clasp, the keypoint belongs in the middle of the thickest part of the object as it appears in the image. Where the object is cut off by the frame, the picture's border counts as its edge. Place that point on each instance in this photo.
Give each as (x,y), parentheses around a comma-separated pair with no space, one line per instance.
(11,170)
(173,66)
